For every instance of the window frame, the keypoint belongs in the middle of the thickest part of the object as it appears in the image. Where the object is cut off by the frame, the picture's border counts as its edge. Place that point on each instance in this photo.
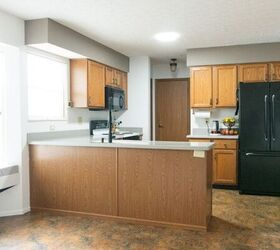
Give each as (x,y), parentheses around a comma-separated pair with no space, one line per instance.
(3,145)
(66,61)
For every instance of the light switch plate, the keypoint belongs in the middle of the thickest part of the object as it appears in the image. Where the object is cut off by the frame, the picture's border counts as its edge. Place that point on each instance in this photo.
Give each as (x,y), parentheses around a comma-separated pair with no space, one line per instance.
(199,154)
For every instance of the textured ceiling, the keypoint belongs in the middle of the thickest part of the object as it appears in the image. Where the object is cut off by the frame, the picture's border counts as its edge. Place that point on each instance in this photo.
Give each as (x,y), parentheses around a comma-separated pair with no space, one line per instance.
(128,26)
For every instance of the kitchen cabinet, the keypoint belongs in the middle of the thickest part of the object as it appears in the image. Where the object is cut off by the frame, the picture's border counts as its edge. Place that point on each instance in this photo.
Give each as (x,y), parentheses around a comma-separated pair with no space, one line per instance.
(96,85)
(224,167)
(201,87)
(274,69)
(114,77)
(152,186)
(256,72)
(224,86)
(224,161)
(87,84)
(213,87)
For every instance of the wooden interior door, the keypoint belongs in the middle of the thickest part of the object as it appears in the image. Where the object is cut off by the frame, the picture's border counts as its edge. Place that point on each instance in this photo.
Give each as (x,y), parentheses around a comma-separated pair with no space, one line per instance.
(201,87)
(257,72)
(172,109)
(96,85)
(224,85)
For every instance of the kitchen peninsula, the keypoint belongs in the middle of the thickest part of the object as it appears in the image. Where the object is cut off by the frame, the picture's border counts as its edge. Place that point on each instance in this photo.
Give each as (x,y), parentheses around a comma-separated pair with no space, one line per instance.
(158,183)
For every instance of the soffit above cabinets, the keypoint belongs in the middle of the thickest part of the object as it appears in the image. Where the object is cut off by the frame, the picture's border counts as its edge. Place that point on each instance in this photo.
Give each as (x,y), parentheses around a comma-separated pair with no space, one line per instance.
(56,38)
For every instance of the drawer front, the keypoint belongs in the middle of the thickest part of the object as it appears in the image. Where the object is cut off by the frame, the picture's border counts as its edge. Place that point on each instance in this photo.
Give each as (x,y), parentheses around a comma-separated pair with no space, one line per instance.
(199,140)
(225,144)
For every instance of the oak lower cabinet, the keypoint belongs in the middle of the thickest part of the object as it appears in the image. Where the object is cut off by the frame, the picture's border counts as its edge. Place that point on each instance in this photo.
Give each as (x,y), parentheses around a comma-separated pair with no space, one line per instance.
(73,179)
(150,186)
(87,84)
(224,166)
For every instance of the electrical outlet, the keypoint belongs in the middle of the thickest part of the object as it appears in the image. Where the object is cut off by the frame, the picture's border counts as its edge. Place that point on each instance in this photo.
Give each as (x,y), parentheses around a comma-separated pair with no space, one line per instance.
(80,119)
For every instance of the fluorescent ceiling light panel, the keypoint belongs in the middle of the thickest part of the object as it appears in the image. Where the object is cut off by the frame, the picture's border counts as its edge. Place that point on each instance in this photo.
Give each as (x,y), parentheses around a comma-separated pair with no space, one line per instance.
(167,36)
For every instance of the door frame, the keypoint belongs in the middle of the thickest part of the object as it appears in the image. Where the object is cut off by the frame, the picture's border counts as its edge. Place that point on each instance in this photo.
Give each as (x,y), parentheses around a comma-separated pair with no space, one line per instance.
(154,82)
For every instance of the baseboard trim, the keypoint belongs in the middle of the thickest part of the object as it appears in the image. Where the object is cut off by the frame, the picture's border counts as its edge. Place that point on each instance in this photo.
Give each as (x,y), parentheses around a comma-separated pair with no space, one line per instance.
(125,219)
(14,212)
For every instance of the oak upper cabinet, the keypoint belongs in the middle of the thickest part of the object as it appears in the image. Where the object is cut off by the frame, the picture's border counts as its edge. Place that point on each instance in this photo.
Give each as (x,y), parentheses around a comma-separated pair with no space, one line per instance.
(225,162)
(96,85)
(113,77)
(274,69)
(109,77)
(257,72)
(224,86)
(87,84)
(201,87)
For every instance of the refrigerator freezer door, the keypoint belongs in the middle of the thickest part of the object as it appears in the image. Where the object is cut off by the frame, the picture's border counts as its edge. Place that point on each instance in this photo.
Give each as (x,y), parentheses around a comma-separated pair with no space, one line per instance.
(275,116)
(259,173)
(254,117)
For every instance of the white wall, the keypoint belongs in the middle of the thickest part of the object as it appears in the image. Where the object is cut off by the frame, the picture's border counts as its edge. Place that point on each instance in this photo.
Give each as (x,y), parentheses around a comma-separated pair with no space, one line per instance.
(13,200)
(11,29)
(216,114)
(139,113)
(12,33)
(162,71)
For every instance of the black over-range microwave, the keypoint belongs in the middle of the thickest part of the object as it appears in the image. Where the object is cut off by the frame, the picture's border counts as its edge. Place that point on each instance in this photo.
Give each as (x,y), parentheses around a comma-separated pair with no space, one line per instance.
(116,96)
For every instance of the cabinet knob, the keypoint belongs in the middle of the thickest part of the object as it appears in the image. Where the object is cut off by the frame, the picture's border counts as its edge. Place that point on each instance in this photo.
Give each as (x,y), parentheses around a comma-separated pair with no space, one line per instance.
(211,101)
(160,125)
(217,101)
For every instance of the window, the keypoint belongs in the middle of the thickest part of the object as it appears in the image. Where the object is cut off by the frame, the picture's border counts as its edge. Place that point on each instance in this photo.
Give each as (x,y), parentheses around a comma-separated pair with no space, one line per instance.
(46,80)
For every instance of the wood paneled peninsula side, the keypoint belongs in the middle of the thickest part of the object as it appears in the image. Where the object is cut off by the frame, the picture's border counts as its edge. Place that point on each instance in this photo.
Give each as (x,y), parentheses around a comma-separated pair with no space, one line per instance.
(158,183)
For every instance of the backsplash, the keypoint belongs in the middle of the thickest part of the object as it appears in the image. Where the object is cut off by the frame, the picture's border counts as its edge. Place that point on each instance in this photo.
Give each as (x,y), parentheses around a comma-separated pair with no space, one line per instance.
(216,114)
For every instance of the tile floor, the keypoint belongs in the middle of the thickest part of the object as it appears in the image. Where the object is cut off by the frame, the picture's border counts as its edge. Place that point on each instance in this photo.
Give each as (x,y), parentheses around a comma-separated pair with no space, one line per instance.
(239,222)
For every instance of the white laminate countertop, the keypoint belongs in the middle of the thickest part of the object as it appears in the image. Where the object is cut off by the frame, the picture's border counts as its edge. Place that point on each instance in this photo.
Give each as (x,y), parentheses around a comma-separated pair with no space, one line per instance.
(87,141)
(214,136)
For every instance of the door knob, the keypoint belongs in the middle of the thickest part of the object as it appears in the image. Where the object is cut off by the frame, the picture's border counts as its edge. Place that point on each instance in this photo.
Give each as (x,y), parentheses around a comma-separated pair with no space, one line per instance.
(160,125)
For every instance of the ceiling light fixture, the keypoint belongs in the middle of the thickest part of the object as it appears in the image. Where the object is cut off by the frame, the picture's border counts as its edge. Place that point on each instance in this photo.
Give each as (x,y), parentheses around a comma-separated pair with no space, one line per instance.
(173,64)
(167,36)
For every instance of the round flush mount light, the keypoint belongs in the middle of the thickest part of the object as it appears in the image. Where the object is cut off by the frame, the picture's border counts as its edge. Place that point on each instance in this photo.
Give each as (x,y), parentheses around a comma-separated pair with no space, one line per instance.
(167,36)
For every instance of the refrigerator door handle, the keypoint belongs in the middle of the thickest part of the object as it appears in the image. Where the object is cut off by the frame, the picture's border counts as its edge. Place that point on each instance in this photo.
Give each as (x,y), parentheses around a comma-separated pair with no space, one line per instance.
(265,118)
(273,118)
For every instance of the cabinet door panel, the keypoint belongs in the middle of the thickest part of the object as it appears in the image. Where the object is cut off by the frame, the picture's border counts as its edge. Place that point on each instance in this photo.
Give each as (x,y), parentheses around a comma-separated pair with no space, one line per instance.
(275,71)
(224,86)
(224,167)
(201,87)
(109,76)
(257,72)
(118,77)
(74,178)
(96,85)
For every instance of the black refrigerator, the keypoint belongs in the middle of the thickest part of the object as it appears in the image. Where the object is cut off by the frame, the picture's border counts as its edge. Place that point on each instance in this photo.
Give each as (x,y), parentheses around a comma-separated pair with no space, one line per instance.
(259,141)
